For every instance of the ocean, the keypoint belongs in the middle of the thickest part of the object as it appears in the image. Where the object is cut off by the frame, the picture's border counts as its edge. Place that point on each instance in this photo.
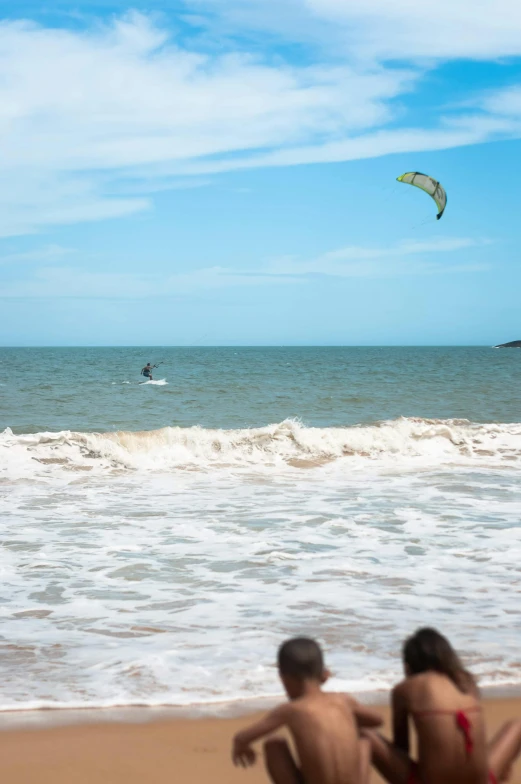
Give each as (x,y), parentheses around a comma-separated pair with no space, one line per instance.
(159,540)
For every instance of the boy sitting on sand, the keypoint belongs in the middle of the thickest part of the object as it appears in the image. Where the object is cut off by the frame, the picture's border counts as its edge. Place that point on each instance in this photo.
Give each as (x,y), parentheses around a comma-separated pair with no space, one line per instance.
(324,726)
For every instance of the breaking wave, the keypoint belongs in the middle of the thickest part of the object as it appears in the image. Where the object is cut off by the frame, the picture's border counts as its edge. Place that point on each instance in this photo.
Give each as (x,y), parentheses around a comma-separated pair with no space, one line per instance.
(403,441)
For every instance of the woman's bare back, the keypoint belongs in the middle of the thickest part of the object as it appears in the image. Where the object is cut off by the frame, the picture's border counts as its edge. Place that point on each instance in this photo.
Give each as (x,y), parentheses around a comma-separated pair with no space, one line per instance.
(450,729)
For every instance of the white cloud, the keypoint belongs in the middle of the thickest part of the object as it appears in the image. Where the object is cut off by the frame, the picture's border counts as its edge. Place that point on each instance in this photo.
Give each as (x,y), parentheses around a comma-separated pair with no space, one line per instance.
(72,282)
(121,97)
(460,132)
(409,257)
(59,282)
(354,261)
(31,198)
(93,120)
(383,29)
(504,103)
(78,106)
(429,28)
(39,255)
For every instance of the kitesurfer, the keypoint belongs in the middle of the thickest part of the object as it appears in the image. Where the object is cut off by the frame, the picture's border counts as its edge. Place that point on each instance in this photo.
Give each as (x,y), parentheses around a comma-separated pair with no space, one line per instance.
(147,371)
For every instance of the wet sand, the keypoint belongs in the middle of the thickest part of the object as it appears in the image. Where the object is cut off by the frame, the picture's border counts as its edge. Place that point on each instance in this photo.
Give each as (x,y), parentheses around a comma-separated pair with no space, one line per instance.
(180,751)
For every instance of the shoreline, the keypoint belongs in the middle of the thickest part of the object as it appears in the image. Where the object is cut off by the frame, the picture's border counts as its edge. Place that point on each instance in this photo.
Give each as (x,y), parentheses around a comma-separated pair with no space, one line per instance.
(50,717)
(188,751)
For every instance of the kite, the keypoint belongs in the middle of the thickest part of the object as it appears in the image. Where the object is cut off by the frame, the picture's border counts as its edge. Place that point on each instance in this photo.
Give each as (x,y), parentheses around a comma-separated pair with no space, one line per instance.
(430,186)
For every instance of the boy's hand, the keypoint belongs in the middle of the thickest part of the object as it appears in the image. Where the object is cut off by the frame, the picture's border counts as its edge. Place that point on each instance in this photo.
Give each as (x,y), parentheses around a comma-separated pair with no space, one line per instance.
(242,753)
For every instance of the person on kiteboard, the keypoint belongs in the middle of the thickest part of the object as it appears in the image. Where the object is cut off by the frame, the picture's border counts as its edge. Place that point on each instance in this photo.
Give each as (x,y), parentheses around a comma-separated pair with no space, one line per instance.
(147,371)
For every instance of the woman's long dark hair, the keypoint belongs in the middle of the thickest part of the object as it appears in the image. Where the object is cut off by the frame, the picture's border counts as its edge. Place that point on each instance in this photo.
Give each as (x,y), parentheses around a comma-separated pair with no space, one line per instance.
(427,650)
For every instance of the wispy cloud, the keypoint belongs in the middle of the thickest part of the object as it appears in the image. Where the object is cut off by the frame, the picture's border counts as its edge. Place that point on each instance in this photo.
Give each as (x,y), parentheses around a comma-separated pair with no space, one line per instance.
(409,257)
(94,120)
(379,29)
(406,258)
(39,255)
(504,103)
(80,107)
(456,132)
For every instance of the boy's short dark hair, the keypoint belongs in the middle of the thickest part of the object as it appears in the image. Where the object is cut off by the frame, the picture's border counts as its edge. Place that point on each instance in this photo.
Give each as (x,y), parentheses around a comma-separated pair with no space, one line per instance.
(301,658)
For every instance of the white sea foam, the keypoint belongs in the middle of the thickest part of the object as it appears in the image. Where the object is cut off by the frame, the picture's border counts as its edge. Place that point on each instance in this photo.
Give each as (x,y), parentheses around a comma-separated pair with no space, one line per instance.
(161,382)
(400,443)
(165,567)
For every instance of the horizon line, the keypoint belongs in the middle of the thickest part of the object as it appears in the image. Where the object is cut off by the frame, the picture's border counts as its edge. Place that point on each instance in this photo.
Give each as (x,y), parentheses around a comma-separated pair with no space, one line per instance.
(255,345)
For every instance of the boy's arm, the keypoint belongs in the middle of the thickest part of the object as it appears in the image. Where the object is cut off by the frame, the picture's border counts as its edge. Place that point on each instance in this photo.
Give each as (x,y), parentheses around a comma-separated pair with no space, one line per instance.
(364,716)
(242,753)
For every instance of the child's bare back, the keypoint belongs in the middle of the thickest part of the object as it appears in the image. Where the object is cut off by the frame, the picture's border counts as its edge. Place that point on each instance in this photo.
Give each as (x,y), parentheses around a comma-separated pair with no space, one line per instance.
(323,726)
(326,738)
(439,697)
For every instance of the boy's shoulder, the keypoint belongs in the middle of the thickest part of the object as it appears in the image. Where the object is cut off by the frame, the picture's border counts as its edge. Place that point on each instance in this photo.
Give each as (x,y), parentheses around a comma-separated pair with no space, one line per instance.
(322,701)
(341,698)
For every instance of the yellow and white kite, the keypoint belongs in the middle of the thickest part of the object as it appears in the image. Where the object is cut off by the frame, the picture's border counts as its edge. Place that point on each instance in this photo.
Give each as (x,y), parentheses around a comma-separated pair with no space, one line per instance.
(430,186)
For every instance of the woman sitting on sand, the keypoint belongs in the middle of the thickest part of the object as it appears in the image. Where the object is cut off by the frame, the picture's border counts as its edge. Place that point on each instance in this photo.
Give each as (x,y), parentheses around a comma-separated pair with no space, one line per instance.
(442,700)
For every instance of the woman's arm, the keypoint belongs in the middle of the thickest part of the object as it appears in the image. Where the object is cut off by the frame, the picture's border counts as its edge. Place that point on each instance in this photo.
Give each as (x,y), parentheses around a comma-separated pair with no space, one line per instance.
(400,713)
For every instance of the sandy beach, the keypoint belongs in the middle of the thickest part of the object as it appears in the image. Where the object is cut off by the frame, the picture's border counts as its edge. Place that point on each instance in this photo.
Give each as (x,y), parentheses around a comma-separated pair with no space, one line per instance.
(191,751)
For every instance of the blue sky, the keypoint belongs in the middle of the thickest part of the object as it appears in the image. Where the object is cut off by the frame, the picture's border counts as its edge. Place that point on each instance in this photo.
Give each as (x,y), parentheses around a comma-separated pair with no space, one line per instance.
(224,172)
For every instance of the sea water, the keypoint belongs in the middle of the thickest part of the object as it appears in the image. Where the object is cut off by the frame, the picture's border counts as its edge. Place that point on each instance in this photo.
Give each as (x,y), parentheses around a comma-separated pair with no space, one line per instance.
(159,540)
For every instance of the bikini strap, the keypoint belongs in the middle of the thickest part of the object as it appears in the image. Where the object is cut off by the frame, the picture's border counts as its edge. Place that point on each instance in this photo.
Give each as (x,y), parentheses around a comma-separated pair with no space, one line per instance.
(462,722)
(472,708)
